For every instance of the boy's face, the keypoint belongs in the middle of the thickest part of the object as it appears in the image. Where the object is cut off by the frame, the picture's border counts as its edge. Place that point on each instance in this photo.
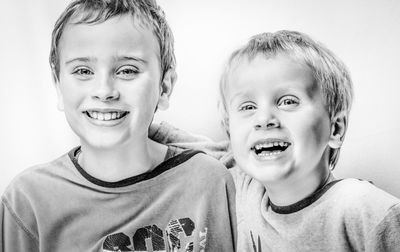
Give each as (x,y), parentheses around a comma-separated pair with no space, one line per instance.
(278,124)
(109,82)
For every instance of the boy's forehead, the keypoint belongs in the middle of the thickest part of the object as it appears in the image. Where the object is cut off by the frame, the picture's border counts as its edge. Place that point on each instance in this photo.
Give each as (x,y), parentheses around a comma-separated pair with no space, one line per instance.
(268,73)
(137,21)
(124,33)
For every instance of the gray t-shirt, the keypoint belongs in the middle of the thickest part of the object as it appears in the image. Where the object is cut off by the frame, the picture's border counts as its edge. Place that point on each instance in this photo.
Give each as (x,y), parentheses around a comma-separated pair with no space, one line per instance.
(184,204)
(344,215)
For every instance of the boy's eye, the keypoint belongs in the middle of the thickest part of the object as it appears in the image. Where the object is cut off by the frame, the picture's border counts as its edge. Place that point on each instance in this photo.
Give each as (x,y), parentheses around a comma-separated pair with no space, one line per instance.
(82,71)
(288,102)
(247,106)
(127,72)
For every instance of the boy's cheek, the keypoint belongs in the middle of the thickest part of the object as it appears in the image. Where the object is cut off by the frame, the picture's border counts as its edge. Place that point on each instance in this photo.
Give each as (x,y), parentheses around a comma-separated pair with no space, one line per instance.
(238,138)
(237,126)
(60,99)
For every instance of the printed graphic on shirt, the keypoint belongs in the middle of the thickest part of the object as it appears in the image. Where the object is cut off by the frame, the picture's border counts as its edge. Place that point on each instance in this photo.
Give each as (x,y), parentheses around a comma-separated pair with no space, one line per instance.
(178,236)
(117,242)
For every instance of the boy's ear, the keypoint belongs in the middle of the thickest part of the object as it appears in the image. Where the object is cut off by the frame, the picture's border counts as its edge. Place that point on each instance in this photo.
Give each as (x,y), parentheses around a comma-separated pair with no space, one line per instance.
(338,130)
(167,85)
(56,82)
(225,118)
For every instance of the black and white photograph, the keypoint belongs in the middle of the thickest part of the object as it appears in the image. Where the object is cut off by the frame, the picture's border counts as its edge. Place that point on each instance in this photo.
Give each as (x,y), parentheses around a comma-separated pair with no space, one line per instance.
(207,126)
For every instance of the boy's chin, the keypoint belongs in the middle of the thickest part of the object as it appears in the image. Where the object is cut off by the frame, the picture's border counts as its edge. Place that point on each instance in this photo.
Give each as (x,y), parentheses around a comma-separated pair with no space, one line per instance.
(266,175)
(105,138)
(101,144)
(105,141)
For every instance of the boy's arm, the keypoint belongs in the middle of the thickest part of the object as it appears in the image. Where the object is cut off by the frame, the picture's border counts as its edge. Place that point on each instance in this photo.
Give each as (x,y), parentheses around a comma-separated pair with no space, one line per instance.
(167,134)
(386,236)
(13,236)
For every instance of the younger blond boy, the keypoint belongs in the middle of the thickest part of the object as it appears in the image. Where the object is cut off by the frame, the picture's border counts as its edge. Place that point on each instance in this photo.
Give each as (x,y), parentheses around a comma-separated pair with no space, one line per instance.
(114,66)
(285,100)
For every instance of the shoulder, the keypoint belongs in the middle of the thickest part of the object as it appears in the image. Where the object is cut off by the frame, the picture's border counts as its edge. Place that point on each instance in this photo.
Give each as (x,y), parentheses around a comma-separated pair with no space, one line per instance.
(351,209)
(202,169)
(204,163)
(385,235)
(28,191)
(36,179)
(372,212)
(361,201)
(361,191)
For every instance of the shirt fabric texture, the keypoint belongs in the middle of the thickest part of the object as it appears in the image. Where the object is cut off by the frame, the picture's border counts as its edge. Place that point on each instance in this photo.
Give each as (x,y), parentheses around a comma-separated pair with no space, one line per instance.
(185,204)
(345,215)
(350,215)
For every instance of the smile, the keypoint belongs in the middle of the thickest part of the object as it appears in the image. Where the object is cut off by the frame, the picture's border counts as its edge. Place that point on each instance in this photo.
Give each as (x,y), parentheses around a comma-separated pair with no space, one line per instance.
(270,148)
(106,116)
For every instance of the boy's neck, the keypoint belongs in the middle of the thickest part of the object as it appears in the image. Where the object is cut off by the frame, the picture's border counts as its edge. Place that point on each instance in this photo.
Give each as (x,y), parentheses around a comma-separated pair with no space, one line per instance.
(119,163)
(291,191)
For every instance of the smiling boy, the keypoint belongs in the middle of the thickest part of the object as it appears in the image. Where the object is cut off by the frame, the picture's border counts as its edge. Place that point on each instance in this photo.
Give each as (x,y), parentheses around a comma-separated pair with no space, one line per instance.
(114,66)
(279,127)
(285,101)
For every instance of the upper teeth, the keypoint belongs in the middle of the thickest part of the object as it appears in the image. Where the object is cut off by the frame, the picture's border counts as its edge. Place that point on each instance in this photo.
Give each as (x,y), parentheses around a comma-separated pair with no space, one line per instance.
(107,116)
(270,144)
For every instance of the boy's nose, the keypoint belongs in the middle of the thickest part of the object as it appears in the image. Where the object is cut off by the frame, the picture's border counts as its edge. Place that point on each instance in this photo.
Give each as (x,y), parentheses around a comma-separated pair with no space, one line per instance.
(266,120)
(105,90)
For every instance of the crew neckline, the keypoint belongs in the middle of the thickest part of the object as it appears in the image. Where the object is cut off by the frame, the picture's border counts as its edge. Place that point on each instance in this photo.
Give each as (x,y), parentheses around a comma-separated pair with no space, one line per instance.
(171,160)
(295,207)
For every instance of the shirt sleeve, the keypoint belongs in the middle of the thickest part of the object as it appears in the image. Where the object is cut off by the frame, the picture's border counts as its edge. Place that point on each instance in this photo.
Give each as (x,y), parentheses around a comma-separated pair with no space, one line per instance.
(386,235)
(167,134)
(13,235)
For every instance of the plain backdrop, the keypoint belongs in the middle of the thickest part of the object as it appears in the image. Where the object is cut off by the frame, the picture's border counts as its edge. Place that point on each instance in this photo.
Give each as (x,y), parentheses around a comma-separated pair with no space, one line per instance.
(365,34)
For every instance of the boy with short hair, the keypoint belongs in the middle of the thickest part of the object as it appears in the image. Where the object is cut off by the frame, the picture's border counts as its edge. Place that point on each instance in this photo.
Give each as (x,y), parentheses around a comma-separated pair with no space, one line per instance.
(285,100)
(113,65)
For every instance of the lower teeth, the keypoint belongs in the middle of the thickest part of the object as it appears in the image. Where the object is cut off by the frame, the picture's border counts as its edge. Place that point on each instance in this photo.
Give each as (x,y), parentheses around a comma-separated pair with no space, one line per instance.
(267,154)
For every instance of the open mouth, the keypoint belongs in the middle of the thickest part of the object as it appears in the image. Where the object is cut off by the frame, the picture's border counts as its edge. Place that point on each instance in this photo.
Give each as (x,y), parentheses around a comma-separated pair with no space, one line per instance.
(106,116)
(270,148)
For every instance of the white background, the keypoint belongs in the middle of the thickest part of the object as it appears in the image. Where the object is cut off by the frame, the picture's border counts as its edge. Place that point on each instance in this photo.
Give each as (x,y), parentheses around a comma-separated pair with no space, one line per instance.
(365,34)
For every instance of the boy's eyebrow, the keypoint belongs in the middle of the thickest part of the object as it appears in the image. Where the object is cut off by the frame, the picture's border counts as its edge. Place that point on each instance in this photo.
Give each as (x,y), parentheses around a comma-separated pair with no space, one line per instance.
(88,59)
(132,58)
(81,59)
